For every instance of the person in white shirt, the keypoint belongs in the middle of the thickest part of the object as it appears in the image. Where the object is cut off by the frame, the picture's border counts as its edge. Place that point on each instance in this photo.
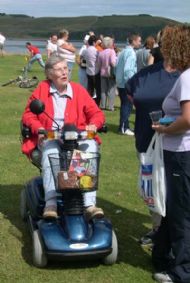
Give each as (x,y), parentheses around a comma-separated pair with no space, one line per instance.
(66,50)
(2,42)
(51,45)
(82,62)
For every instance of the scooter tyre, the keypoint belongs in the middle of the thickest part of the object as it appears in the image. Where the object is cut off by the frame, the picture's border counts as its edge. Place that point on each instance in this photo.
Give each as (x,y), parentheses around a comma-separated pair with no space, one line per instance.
(112,257)
(39,257)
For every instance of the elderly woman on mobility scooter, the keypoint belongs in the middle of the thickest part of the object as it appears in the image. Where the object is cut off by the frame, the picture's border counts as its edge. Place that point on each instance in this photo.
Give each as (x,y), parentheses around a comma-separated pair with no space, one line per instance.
(67,103)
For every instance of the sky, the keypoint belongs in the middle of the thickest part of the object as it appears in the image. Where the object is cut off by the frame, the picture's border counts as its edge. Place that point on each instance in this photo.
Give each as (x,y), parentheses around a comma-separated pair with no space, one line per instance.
(174,9)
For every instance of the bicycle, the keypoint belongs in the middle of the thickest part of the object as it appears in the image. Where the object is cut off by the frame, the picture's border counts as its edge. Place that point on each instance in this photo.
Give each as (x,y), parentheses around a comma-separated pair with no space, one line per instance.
(23,81)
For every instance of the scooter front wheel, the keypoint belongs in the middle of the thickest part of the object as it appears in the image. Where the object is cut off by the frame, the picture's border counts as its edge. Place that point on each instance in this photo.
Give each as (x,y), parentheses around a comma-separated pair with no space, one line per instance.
(112,257)
(39,257)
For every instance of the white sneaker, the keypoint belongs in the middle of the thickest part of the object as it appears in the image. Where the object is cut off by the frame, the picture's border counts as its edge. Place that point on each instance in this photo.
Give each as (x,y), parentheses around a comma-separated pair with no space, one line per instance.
(94,96)
(162,277)
(128,132)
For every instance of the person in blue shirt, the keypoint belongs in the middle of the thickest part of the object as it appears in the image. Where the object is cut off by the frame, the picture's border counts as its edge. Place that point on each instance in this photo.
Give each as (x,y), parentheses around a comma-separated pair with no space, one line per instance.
(126,67)
(147,89)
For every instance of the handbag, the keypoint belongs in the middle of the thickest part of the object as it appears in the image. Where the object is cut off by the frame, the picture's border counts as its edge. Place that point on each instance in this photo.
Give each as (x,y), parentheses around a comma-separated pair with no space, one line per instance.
(152,176)
(111,72)
(82,62)
(67,180)
(111,69)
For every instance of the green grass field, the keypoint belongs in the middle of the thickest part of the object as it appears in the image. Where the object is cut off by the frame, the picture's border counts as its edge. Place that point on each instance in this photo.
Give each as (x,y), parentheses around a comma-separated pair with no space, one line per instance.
(117,193)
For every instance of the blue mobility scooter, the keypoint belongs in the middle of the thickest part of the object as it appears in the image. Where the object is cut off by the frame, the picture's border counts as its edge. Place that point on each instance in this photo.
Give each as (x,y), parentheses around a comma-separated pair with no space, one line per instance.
(71,235)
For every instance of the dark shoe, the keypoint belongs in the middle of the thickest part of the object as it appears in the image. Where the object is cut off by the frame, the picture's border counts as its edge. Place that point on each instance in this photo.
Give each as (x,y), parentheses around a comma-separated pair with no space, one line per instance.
(50,212)
(93,212)
(148,238)
(104,129)
(110,109)
(162,277)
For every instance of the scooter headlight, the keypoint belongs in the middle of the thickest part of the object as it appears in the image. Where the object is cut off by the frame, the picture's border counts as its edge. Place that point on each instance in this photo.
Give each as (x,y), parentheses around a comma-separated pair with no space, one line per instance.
(71,135)
(83,135)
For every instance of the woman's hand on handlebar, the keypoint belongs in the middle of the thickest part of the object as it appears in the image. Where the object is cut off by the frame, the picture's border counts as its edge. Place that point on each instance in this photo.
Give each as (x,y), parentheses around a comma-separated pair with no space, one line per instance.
(91,131)
(91,128)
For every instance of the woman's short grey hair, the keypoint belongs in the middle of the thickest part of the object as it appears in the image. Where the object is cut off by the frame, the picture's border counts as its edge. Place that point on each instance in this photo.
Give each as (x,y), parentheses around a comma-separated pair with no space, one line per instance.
(52,60)
(107,42)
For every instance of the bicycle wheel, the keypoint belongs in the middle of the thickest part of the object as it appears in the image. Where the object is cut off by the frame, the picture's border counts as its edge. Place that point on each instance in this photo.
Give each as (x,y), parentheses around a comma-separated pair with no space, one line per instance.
(33,82)
(29,83)
(9,82)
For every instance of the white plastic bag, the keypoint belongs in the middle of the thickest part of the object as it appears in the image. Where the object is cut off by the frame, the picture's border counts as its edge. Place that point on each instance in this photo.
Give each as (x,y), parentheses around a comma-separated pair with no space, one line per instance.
(152,176)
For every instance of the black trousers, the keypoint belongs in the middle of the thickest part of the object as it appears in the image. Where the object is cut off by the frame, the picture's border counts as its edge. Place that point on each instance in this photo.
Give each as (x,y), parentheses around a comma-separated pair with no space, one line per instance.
(171,252)
(94,83)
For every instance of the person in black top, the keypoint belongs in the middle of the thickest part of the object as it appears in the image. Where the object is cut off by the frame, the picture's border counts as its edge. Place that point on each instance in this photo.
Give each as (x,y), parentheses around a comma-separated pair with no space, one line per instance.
(157,55)
(155,51)
(147,89)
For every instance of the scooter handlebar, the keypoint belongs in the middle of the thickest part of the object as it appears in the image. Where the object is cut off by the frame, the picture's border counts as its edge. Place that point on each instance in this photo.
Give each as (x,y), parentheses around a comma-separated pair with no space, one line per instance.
(67,135)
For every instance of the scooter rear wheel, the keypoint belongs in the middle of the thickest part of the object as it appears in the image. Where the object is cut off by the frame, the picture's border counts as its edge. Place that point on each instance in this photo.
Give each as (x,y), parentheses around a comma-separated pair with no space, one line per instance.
(23,205)
(39,257)
(112,257)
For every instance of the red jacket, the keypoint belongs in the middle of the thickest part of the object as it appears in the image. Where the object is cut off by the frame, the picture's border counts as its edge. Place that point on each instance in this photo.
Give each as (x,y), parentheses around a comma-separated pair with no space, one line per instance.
(81,110)
(33,49)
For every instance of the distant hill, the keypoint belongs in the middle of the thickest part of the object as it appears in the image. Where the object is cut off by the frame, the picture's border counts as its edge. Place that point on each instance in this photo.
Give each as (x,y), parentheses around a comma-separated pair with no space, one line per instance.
(23,26)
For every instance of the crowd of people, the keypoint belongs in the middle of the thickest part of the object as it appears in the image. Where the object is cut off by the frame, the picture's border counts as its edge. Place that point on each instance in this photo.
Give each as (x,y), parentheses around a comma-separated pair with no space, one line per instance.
(102,68)
(149,78)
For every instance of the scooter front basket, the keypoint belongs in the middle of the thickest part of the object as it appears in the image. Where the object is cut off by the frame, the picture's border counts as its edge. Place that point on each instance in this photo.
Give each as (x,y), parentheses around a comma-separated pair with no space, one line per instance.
(78,170)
